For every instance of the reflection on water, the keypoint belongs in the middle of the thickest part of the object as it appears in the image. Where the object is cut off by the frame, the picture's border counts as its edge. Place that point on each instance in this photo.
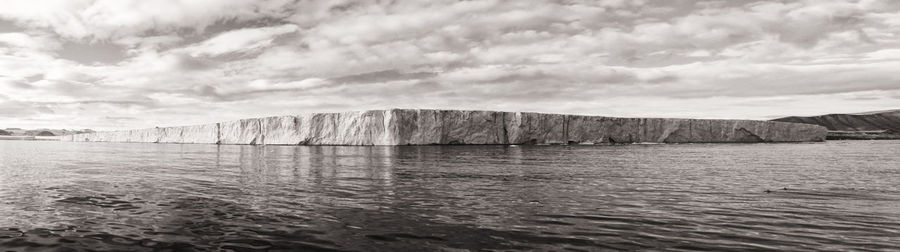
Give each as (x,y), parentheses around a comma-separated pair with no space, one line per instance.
(107,196)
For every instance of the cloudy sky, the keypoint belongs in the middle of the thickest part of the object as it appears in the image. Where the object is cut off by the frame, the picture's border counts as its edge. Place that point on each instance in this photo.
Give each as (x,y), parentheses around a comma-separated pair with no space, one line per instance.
(113,64)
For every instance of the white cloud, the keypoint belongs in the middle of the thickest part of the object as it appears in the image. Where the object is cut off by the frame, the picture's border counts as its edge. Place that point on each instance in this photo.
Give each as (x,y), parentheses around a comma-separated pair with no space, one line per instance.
(27,41)
(886,54)
(240,41)
(243,58)
(103,19)
(154,43)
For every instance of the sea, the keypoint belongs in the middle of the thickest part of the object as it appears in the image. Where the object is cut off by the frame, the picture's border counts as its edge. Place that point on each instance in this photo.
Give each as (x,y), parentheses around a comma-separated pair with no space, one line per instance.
(835,195)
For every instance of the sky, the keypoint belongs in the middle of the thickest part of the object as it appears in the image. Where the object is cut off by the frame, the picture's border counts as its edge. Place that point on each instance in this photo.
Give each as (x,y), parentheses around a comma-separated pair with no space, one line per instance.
(119,64)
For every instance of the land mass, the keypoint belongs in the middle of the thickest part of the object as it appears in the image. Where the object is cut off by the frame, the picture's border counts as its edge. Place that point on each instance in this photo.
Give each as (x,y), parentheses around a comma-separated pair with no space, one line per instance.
(41,132)
(37,134)
(859,126)
(449,127)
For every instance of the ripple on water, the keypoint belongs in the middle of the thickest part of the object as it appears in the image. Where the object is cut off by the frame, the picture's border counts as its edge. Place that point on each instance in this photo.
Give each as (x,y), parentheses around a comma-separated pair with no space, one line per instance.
(151,197)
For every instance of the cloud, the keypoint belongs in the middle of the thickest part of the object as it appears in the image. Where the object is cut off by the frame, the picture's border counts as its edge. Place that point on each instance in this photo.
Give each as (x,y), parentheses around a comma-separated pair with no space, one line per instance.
(369,24)
(105,19)
(155,43)
(14,109)
(240,41)
(20,40)
(182,62)
(383,76)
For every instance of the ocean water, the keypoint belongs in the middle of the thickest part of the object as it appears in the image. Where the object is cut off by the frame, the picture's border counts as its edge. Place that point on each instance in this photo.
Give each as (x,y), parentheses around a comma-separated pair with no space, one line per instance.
(839,195)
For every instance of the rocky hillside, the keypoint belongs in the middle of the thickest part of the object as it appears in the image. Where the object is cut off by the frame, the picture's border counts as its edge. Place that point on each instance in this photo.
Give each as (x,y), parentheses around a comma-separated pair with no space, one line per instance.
(41,132)
(872,121)
(869,125)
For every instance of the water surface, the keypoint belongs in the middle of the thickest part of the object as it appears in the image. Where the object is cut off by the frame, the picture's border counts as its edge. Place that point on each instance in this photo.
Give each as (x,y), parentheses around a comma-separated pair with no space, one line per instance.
(840,195)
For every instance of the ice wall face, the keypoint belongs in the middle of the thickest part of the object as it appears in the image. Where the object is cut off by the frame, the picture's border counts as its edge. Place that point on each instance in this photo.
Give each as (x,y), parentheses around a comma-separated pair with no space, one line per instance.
(347,128)
(145,135)
(207,133)
(416,127)
(244,131)
(169,135)
(473,127)
(598,130)
(426,127)
(281,130)
(536,128)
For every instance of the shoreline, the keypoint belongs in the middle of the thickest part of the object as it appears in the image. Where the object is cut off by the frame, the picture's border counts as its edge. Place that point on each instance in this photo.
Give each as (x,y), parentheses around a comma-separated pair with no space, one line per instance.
(463,127)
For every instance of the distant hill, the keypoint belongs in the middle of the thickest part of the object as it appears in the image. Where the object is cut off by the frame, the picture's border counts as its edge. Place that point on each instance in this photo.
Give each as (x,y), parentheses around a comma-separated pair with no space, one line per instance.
(41,132)
(868,125)
(45,133)
(869,121)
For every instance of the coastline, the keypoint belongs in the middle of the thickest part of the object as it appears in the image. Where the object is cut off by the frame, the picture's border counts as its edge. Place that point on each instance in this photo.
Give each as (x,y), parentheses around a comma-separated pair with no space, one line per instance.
(861,135)
(463,127)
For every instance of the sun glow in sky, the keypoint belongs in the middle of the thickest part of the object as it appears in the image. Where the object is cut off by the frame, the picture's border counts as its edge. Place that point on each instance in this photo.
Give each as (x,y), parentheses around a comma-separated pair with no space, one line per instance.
(115,64)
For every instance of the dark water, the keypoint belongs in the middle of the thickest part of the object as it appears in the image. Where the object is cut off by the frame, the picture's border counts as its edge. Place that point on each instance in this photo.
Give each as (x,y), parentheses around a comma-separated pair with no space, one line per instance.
(108,196)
